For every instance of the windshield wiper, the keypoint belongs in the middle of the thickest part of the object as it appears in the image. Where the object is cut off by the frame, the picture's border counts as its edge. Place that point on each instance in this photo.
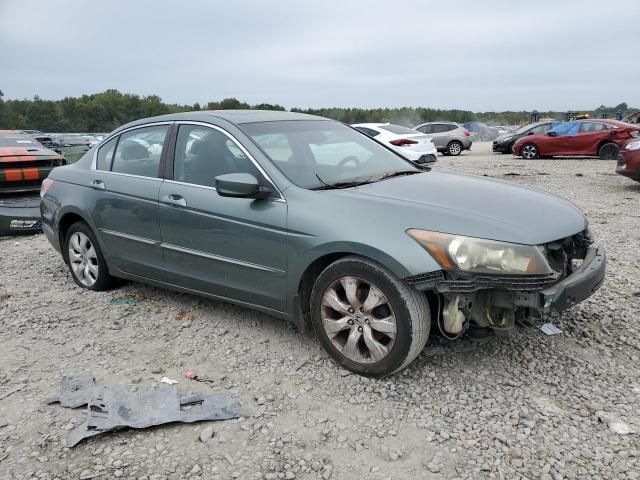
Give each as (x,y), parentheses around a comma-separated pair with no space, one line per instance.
(342,184)
(399,173)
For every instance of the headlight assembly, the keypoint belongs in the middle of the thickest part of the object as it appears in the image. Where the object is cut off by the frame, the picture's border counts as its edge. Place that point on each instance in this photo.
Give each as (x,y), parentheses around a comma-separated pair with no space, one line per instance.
(633,145)
(477,255)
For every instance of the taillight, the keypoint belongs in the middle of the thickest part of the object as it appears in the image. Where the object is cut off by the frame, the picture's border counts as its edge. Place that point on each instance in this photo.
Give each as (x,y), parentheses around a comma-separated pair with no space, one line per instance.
(467,133)
(46,184)
(402,142)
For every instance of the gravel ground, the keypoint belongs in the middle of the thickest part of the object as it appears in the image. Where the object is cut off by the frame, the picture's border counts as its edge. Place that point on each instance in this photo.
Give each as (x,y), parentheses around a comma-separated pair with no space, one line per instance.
(523,406)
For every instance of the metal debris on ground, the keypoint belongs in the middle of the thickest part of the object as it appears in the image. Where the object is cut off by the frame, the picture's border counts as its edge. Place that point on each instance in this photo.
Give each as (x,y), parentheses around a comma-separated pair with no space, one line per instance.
(168,381)
(549,329)
(113,407)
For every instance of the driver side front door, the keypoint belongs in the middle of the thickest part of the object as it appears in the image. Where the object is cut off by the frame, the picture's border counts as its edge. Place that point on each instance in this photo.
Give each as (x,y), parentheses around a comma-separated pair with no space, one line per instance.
(233,248)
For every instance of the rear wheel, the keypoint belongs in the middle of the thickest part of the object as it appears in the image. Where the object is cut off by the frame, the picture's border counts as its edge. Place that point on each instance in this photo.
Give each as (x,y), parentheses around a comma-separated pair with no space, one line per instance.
(368,321)
(608,151)
(454,148)
(529,151)
(84,257)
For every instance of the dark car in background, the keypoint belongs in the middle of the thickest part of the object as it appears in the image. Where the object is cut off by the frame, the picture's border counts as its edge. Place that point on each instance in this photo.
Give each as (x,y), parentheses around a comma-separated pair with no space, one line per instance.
(449,138)
(592,138)
(24,163)
(480,131)
(629,160)
(504,143)
(307,219)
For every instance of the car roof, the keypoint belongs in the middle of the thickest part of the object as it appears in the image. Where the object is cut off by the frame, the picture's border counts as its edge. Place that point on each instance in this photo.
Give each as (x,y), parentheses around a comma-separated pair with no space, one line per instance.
(236,117)
(616,123)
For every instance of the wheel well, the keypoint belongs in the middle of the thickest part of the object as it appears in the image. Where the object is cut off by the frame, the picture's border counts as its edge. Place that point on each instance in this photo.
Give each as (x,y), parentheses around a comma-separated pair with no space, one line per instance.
(66,221)
(604,142)
(307,281)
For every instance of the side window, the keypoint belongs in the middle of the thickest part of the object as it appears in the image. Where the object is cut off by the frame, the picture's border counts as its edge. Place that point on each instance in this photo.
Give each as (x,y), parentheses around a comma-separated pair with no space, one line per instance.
(203,153)
(138,151)
(450,127)
(541,128)
(368,131)
(105,154)
(425,128)
(439,128)
(592,127)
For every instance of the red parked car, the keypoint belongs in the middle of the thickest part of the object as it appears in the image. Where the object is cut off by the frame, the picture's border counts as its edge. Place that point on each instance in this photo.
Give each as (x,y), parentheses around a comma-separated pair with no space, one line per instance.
(629,160)
(593,138)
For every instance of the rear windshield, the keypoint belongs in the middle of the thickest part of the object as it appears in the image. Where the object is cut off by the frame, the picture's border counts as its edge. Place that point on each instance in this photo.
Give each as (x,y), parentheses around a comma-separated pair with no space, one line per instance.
(18,142)
(398,129)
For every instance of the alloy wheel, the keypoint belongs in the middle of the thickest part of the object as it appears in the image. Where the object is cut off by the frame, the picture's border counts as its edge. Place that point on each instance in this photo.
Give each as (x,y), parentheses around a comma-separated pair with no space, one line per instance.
(83,259)
(529,151)
(358,319)
(454,148)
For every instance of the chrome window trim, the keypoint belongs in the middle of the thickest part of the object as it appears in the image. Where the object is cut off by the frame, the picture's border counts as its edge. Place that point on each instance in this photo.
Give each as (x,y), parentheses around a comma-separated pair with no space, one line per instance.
(130,175)
(219,258)
(94,162)
(239,145)
(205,187)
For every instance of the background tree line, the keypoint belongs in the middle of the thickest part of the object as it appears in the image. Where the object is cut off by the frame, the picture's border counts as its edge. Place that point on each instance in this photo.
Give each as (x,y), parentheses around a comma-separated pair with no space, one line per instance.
(103,112)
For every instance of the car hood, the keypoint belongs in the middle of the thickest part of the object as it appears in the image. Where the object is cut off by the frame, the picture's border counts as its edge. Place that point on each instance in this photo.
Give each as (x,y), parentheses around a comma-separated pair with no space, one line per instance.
(469,205)
(505,136)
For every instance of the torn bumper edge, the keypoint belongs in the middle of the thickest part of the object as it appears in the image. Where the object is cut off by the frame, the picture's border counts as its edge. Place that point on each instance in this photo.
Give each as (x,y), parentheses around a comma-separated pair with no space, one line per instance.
(578,286)
(543,293)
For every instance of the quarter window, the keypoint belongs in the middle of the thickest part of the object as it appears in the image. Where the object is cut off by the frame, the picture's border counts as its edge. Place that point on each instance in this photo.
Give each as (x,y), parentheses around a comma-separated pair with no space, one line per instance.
(368,131)
(203,153)
(138,151)
(105,154)
(592,127)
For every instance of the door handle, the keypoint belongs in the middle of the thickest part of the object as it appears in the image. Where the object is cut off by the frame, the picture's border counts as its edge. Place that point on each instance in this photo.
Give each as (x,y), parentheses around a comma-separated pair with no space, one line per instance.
(98,184)
(175,199)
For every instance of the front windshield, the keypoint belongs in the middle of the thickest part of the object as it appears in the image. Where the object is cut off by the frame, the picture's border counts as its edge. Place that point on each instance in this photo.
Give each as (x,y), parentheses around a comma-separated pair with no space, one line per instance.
(522,129)
(317,153)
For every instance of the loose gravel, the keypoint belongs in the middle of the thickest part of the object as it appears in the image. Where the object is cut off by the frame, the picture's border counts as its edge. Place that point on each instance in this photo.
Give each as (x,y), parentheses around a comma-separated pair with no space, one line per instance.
(525,406)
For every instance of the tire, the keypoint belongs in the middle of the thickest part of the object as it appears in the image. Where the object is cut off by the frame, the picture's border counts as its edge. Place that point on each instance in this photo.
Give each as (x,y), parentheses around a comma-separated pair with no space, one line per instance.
(347,332)
(529,151)
(608,151)
(80,249)
(454,148)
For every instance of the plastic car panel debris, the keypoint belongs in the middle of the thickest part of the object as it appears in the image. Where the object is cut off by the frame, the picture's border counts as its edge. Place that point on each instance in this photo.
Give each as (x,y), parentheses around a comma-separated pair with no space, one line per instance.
(114,407)
(76,391)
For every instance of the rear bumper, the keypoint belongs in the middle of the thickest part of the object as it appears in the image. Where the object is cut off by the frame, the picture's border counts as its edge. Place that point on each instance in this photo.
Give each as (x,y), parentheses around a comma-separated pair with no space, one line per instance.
(20,215)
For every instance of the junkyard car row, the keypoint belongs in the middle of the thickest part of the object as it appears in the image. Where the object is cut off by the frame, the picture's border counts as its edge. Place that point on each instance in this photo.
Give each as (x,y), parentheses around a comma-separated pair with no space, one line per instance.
(244,206)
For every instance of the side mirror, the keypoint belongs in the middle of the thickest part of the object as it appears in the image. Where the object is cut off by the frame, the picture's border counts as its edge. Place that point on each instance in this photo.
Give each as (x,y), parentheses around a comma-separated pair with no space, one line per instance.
(240,185)
(551,133)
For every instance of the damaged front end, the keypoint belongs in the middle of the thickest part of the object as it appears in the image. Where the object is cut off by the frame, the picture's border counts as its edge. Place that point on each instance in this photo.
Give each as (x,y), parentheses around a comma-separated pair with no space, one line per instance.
(498,301)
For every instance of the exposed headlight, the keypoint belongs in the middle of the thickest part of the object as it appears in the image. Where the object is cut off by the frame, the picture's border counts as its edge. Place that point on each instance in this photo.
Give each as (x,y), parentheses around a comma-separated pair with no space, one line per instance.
(477,255)
(633,145)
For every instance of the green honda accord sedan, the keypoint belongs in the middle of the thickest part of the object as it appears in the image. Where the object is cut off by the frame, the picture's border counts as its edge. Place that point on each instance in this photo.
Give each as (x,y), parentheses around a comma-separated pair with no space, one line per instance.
(309,220)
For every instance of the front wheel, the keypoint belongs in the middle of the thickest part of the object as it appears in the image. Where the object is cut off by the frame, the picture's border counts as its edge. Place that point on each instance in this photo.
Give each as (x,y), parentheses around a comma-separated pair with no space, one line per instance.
(84,257)
(369,321)
(454,148)
(529,151)
(608,151)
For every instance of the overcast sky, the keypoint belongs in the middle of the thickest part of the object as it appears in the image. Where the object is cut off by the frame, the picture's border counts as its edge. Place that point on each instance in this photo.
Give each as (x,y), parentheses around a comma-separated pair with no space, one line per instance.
(473,55)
